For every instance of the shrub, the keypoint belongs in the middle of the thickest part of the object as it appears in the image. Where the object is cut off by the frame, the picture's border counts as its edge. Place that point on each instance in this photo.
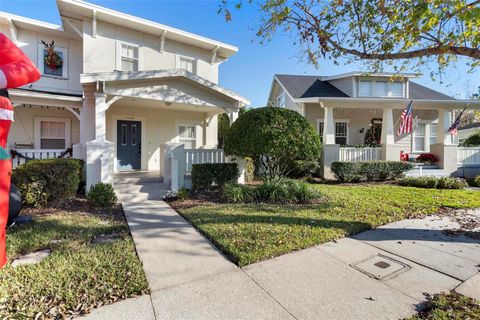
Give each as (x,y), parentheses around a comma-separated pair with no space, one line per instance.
(206,175)
(472,141)
(183,194)
(238,193)
(433,182)
(60,178)
(102,195)
(304,169)
(427,157)
(33,194)
(273,138)
(282,191)
(474,182)
(302,191)
(369,170)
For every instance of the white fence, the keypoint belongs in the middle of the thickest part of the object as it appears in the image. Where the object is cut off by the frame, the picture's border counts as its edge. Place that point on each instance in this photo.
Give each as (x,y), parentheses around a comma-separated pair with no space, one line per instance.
(35,154)
(352,154)
(199,156)
(468,155)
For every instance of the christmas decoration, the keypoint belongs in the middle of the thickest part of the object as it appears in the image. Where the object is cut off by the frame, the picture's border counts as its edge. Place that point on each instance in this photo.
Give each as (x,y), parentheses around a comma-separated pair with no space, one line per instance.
(52,59)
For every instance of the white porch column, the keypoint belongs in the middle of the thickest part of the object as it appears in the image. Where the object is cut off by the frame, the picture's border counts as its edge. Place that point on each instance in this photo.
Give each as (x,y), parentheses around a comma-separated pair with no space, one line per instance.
(100,116)
(445,149)
(330,150)
(233,116)
(390,151)
(87,124)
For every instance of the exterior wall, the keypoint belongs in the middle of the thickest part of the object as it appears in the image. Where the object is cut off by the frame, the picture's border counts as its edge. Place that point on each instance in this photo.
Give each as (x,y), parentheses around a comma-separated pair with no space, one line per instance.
(277,90)
(159,126)
(22,130)
(30,42)
(100,52)
(344,84)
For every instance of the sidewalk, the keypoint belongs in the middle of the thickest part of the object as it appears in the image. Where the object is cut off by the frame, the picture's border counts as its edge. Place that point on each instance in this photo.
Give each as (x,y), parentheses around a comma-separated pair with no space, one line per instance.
(379,274)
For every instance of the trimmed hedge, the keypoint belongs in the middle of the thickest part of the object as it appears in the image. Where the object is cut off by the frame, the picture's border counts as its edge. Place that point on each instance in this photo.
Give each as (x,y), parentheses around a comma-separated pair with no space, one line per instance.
(369,170)
(207,175)
(433,182)
(48,179)
(474,182)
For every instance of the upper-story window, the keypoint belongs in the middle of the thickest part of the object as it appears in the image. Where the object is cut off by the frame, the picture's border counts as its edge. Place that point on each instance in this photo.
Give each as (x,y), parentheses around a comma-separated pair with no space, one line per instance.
(380,88)
(129,57)
(60,71)
(281,101)
(186,63)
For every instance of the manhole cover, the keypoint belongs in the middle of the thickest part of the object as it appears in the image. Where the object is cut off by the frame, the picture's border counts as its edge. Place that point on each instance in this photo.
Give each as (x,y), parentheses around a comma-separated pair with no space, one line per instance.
(381,267)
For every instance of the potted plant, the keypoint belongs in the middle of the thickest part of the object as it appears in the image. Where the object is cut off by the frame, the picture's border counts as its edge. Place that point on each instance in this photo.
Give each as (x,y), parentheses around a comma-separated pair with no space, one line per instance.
(427,158)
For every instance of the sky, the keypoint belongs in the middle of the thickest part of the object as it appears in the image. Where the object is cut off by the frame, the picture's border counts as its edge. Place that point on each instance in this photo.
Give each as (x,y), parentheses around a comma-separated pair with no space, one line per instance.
(251,70)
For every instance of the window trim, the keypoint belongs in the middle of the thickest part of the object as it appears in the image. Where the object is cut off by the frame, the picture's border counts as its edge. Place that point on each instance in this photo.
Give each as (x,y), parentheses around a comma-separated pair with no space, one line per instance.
(284,97)
(188,123)
(37,130)
(373,88)
(335,121)
(178,58)
(41,66)
(427,136)
(119,56)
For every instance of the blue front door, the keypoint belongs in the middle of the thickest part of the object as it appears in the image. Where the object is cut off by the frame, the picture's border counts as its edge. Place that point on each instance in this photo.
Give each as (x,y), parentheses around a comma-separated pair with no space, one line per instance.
(129,145)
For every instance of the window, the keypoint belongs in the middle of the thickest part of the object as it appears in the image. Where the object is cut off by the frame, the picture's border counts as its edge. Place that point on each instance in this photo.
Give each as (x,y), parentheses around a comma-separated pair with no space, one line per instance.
(281,103)
(187,135)
(124,134)
(381,88)
(128,57)
(51,133)
(341,133)
(433,133)
(320,130)
(396,89)
(365,89)
(419,137)
(134,135)
(60,72)
(186,63)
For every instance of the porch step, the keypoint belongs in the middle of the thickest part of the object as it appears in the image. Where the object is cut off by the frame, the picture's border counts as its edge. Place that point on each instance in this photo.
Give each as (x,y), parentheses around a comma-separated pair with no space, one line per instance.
(425,167)
(140,177)
(438,173)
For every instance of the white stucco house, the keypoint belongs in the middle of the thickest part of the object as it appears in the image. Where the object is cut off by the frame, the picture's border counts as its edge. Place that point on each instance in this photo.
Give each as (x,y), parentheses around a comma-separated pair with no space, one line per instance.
(131,94)
(344,107)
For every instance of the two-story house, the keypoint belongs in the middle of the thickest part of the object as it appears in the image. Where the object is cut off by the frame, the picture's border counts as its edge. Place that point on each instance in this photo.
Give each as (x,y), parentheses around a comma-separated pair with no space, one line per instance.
(127,90)
(357,116)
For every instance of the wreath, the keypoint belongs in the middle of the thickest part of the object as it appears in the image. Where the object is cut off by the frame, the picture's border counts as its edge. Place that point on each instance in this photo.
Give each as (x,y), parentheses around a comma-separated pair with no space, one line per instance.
(52,59)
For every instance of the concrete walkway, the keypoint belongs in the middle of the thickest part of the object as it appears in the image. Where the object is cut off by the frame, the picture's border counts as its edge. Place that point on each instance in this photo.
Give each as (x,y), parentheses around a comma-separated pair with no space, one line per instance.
(379,274)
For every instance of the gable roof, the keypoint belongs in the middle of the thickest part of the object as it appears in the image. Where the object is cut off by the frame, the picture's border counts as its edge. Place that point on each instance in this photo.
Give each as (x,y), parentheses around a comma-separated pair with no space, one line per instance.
(308,86)
(417,91)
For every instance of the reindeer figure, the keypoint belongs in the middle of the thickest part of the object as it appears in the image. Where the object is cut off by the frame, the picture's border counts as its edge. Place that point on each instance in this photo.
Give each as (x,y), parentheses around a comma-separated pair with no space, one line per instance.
(52,58)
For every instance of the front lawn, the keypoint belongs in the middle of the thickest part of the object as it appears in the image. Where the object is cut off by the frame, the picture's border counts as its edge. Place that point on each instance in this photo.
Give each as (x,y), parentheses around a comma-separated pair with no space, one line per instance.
(252,232)
(450,306)
(78,275)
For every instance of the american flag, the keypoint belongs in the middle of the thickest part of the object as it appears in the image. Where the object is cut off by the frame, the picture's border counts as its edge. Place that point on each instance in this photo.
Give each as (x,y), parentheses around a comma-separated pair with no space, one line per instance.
(407,120)
(453,130)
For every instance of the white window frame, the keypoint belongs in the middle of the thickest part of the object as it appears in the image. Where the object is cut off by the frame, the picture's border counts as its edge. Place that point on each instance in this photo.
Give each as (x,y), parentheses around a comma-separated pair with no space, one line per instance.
(372,84)
(187,123)
(373,89)
(41,64)
(335,121)
(282,100)
(119,56)
(37,130)
(427,136)
(179,58)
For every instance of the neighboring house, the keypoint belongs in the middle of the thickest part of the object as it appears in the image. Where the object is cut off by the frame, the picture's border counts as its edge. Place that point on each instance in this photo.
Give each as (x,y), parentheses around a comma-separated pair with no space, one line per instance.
(345,108)
(128,92)
(467,130)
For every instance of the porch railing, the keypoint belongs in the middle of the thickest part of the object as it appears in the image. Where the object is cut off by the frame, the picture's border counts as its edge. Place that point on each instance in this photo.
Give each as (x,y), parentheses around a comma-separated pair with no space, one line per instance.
(468,155)
(199,156)
(24,155)
(352,154)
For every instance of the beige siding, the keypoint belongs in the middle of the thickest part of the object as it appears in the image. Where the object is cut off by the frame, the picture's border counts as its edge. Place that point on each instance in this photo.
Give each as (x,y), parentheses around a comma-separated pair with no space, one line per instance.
(289,104)
(344,84)
(22,130)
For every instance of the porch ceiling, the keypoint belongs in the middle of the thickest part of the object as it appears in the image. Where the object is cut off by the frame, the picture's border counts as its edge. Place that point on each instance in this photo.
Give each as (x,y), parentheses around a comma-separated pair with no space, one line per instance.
(21,96)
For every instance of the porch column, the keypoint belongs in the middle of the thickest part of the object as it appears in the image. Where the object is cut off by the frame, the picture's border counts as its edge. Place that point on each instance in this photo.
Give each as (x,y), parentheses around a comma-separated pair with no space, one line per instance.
(445,149)
(233,116)
(100,116)
(87,124)
(330,150)
(390,151)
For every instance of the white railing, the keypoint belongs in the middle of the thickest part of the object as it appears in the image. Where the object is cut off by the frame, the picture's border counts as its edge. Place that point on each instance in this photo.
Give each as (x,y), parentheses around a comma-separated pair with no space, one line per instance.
(199,156)
(468,155)
(352,154)
(35,154)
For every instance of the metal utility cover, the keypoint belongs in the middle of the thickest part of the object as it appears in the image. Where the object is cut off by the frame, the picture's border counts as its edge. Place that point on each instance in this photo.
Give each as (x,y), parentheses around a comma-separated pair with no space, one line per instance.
(381,267)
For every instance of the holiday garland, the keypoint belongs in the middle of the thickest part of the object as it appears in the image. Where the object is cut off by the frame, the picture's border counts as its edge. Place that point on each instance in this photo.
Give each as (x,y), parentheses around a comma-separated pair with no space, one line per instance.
(52,59)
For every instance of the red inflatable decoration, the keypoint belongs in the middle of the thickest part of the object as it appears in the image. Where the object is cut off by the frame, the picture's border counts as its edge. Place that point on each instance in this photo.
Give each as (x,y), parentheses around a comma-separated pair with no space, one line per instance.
(16,70)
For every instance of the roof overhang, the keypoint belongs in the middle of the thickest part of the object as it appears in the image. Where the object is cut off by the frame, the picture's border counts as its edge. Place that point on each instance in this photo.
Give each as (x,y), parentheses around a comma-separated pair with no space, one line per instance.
(372,74)
(78,9)
(23,96)
(121,76)
(389,102)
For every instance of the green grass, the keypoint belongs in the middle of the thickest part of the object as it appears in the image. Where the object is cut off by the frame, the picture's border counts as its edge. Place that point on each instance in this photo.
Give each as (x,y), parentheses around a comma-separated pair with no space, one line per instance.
(77,276)
(450,306)
(250,233)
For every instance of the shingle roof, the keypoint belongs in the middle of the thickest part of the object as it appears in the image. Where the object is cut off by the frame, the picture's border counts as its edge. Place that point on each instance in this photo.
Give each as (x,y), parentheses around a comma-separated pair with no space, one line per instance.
(417,91)
(308,86)
(300,86)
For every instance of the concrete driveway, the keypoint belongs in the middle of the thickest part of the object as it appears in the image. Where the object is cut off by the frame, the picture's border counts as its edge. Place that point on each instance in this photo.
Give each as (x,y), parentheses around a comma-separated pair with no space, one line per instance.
(380,274)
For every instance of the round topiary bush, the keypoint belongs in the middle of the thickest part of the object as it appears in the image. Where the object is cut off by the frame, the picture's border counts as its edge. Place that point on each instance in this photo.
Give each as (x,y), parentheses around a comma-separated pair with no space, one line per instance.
(102,195)
(273,138)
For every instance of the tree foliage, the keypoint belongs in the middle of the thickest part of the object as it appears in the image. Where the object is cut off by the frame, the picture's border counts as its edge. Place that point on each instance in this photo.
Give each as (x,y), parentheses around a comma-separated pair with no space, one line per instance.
(378,31)
(224,125)
(473,140)
(273,137)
